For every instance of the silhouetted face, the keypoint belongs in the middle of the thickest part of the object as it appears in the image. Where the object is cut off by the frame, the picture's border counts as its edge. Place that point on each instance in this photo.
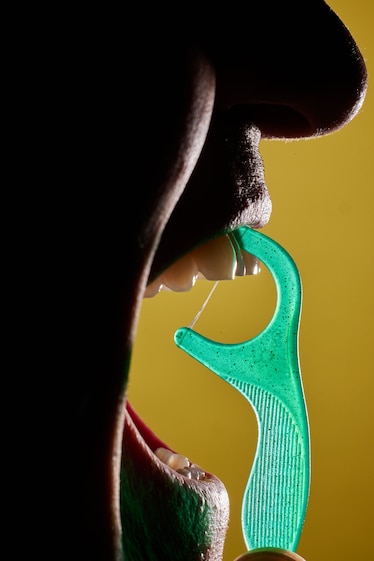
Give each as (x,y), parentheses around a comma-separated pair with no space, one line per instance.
(202,90)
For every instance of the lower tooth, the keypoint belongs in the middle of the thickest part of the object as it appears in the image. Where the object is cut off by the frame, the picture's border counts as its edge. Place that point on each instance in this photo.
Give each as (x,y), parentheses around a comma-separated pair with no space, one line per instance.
(180,464)
(186,472)
(192,472)
(175,461)
(197,472)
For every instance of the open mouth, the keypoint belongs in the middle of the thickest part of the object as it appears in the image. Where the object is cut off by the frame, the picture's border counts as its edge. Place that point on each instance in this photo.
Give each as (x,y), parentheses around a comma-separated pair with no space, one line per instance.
(192,504)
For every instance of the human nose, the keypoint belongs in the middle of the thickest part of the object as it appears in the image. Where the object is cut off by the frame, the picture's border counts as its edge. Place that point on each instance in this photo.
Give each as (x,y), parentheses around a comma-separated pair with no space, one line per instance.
(291,68)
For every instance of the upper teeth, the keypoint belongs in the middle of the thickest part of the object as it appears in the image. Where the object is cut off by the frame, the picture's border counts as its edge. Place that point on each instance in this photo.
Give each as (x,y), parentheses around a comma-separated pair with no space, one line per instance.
(180,464)
(218,259)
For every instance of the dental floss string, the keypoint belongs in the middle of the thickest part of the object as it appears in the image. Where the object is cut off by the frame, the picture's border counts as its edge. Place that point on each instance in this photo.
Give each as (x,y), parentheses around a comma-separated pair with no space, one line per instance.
(203,306)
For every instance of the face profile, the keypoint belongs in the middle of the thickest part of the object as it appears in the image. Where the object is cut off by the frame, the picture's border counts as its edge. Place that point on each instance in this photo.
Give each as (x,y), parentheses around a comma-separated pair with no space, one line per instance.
(152,125)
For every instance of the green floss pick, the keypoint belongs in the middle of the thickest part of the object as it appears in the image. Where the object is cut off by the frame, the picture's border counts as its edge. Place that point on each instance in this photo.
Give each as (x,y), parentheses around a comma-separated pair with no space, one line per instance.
(265,370)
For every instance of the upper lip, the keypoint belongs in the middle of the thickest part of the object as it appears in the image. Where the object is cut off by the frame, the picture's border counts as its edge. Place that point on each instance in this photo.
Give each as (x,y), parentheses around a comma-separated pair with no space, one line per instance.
(226,190)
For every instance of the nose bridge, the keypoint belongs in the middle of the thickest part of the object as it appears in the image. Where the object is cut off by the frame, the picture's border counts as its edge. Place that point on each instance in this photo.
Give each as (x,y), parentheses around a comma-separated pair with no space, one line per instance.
(294,70)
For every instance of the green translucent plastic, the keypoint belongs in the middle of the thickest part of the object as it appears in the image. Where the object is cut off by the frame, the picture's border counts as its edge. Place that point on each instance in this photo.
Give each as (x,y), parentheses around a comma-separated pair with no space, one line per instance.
(265,370)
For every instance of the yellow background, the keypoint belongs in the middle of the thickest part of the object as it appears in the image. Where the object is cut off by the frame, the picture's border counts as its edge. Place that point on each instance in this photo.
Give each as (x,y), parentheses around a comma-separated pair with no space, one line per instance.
(323,206)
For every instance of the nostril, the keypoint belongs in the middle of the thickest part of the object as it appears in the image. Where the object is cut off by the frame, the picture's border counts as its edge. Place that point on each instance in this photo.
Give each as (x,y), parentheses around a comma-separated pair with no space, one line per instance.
(279,121)
(274,120)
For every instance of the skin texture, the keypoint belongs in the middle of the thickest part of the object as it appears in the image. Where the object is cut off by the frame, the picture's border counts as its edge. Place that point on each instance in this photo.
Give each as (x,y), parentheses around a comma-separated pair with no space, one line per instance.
(149,146)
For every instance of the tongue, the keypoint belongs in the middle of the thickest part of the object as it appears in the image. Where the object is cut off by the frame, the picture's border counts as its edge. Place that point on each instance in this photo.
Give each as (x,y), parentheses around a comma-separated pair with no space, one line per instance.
(164,514)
